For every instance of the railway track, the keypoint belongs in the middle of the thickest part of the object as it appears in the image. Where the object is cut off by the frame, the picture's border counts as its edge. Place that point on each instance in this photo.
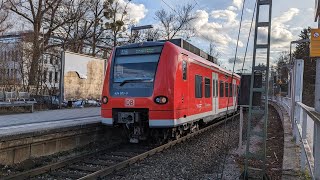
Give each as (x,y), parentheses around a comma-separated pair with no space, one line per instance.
(101,163)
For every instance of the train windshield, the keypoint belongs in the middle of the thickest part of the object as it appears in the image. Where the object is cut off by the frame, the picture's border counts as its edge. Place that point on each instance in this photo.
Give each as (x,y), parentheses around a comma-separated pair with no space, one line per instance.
(135,68)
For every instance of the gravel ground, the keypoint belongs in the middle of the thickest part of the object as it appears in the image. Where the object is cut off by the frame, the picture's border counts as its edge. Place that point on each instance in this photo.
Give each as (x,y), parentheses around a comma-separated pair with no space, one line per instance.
(202,157)
(198,158)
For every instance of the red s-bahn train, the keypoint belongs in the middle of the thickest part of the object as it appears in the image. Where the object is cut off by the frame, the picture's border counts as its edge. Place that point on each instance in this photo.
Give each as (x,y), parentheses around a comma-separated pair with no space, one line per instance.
(161,90)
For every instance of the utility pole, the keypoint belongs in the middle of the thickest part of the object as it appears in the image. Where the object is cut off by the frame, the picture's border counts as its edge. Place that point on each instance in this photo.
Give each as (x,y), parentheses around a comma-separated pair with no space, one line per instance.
(314,52)
(258,111)
(317,109)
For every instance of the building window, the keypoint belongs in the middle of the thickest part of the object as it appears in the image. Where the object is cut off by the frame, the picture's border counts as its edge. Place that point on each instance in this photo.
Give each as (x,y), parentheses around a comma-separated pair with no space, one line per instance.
(221,89)
(230,93)
(227,89)
(44,76)
(207,93)
(50,76)
(184,70)
(51,59)
(198,85)
(56,77)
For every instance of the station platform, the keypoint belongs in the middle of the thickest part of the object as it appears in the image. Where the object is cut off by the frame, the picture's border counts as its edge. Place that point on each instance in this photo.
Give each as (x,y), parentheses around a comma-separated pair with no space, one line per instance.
(45,120)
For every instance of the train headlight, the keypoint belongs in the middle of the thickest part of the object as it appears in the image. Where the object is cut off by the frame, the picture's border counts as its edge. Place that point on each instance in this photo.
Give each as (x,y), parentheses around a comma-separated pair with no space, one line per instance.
(105,100)
(161,100)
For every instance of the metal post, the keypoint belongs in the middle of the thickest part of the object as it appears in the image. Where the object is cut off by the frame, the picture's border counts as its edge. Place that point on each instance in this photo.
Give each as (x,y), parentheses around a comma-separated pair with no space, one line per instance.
(298,87)
(304,137)
(240,129)
(317,124)
(61,84)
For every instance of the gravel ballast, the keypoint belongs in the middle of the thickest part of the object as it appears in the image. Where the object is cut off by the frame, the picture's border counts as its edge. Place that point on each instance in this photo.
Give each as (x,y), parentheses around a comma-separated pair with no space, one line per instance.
(198,158)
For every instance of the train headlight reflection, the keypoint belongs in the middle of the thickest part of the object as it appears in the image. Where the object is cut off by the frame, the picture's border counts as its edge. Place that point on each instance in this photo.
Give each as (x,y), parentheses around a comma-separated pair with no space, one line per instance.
(161,100)
(105,100)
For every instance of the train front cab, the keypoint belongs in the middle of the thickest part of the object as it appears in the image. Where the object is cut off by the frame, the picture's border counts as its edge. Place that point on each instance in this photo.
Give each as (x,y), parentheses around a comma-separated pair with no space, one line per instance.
(138,88)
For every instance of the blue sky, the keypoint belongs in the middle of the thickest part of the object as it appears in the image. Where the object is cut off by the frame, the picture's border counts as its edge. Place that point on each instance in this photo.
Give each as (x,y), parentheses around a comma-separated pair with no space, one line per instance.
(219,20)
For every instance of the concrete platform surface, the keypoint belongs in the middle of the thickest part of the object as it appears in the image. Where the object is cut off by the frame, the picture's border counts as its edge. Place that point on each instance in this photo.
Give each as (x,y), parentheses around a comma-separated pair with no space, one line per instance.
(43,120)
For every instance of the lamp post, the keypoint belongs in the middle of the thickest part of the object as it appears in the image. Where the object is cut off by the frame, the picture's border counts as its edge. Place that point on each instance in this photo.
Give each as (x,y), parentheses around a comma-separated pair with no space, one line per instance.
(291,62)
(296,42)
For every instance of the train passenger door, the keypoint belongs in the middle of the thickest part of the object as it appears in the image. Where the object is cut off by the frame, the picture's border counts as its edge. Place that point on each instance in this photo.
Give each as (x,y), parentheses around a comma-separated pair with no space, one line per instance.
(234,89)
(185,85)
(215,102)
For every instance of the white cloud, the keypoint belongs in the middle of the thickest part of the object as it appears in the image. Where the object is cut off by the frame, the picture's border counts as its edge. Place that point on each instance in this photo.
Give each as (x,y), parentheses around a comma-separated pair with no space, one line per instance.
(136,12)
(232,8)
(218,31)
(281,33)
(237,3)
(225,15)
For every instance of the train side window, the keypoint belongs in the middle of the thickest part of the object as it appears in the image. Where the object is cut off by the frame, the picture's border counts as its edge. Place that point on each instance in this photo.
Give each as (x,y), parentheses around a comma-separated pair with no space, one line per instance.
(213,88)
(198,86)
(227,89)
(230,93)
(221,89)
(207,93)
(184,70)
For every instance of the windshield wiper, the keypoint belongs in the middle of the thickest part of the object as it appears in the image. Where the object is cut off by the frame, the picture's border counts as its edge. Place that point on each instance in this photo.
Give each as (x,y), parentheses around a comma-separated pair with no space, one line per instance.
(135,80)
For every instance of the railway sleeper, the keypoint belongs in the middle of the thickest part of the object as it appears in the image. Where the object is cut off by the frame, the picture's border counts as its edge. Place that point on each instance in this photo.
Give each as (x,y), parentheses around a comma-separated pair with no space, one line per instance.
(85,168)
(62,174)
(98,162)
(113,158)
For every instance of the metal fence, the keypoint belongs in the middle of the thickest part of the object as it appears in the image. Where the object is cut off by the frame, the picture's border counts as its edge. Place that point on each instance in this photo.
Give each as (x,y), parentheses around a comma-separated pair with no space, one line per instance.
(306,130)
(305,123)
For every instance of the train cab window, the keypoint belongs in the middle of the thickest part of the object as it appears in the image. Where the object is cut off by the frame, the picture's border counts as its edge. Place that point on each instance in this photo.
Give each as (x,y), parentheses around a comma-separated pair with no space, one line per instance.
(230,93)
(207,93)
(221,89)
(198,86)
(227,90)
(184,70)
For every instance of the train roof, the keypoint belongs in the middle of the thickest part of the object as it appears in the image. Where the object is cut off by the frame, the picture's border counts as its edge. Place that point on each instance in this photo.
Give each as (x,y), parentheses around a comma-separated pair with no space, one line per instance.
(186,46)
(207,62)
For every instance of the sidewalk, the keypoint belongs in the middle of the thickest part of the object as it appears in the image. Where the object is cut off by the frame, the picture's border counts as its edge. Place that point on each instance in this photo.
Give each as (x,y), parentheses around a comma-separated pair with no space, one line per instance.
(47,116)
(46,120)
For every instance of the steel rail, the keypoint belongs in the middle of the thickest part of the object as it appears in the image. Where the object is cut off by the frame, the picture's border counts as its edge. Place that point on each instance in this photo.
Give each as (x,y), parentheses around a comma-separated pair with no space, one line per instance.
(57,165)
(106,171)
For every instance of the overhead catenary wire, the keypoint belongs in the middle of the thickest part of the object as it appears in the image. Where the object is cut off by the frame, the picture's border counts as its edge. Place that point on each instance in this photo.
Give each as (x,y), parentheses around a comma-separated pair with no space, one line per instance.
(232,75)
(180,16)
(234,62)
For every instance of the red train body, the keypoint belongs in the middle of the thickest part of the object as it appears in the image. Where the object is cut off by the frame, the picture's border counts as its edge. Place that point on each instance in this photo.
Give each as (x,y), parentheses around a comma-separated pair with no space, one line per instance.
(158,85)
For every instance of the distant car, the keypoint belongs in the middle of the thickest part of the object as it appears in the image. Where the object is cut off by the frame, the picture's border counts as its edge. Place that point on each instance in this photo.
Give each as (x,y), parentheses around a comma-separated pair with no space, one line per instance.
(79,104)
(92,103)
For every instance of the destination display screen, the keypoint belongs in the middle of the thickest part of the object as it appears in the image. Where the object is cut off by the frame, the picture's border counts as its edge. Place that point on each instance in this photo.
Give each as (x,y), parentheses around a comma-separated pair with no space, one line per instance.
(139,51)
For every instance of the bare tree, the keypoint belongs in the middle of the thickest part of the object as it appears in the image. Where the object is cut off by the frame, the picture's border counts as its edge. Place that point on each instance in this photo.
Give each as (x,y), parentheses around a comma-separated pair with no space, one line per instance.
(4,15)
(213,50)
(117,20)
(43,14)
(176,23)
(87,31)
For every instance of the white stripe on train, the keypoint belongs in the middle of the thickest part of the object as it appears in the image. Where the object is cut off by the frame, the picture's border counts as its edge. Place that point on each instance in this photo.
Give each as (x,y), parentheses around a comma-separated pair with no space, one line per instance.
(158,123)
